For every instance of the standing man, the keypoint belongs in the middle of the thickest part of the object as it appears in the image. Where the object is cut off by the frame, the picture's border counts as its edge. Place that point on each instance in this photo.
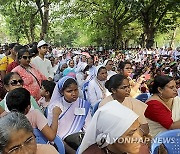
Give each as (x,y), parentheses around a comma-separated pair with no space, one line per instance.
(41,63)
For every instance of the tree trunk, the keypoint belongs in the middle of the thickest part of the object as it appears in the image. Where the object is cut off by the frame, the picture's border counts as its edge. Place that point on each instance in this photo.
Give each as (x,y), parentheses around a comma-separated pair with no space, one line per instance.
(149,33)
(126,44)
(114,39)
(32,26)
(171,44)
(45,20)
(44,17)
(142,40)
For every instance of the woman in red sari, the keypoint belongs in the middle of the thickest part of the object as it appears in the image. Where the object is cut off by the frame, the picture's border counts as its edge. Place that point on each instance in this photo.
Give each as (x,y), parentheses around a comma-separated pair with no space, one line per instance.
(163,111)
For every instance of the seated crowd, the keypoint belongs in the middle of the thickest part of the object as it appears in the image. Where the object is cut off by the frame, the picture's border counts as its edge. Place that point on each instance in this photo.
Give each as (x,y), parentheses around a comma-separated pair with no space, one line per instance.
(92,108)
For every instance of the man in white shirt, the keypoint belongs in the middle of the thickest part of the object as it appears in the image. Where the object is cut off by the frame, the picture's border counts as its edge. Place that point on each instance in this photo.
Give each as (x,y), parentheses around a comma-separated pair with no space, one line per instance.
(41,63)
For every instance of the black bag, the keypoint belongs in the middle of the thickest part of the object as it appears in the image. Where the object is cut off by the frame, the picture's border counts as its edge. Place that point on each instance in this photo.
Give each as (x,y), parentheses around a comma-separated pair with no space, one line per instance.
(74,140)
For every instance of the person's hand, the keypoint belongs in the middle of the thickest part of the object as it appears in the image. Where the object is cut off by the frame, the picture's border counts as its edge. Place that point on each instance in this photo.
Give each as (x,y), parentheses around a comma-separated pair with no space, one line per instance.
(56,111)
(141,79)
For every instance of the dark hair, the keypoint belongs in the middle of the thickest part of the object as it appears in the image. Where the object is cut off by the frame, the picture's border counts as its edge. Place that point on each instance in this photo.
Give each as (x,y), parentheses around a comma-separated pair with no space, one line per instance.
(12,45)
(101,68)
(159,81)
(68,82)
(33,50)
(18,100)
(86,69)
(122,64)
(8,77)
(18,47)
(21,52)
(48,86)
(114,82)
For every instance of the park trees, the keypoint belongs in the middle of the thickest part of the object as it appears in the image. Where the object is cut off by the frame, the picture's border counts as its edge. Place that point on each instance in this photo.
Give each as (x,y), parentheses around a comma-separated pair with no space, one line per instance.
(152,13)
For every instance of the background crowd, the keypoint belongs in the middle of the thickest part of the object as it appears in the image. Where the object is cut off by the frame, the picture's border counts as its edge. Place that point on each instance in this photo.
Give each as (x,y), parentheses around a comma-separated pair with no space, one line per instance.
(89,93)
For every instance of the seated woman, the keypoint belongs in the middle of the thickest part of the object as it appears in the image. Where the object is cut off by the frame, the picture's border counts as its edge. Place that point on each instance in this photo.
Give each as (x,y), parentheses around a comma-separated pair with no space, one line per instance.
(96,90)
(119,87)
(109,66)
(59,72)
(163,111)
(126,69)
(19,100)
(75,114)
(110,129)
(16,136)
(12,81)
(32,77)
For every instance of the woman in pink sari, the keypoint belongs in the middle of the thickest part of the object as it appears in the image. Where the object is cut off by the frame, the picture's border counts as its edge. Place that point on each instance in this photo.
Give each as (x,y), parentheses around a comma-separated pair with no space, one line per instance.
(32,77)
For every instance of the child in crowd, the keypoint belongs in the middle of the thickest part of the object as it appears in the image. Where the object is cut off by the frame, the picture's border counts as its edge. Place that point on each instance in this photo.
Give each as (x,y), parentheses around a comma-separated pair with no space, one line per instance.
(47,88)
(19,100)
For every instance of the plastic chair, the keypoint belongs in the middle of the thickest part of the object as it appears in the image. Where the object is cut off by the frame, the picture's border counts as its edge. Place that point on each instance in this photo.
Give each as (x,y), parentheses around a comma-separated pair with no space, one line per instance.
(41,139)
(84,89)
(143,97)
(170,139)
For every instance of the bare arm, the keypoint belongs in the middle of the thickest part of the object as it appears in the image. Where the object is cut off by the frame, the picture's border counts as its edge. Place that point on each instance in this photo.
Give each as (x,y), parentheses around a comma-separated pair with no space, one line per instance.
(3,73)
(50,132)
(175,125)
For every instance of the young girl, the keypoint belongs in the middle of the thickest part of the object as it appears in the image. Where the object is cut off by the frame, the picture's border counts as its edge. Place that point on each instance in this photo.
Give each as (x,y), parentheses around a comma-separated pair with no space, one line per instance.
(75,113)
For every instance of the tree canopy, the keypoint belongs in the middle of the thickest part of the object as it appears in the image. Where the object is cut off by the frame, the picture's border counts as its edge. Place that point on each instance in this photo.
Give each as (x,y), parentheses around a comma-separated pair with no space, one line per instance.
(109,23)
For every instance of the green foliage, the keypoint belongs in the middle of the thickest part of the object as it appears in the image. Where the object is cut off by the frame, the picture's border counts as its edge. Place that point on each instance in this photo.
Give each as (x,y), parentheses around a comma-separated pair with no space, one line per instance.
(111,23)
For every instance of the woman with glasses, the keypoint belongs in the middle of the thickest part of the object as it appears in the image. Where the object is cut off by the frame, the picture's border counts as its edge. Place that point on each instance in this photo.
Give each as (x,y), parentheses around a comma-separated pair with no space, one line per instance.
(126,69)
(163,111)
(119,87)
(16,136)
(32,77)
(12,81)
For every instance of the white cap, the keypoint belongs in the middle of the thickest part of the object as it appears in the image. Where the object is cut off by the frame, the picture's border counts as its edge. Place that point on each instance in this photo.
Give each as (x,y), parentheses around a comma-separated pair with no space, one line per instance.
(41,43)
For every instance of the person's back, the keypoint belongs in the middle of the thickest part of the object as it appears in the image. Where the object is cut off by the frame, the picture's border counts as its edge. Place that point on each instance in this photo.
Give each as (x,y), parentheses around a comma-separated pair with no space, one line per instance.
(19,100)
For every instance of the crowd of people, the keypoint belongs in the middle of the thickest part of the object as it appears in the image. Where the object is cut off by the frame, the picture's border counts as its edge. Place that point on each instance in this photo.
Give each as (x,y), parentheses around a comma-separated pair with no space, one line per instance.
(91,99)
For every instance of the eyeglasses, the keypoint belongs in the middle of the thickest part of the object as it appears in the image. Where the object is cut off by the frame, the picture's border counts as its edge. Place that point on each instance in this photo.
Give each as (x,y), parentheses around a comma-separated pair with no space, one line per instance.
(28,143)
(15,82)
(26,57)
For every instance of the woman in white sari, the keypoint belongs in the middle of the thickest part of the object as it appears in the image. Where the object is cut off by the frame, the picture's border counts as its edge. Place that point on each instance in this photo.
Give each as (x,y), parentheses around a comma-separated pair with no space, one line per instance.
(108,63)
(96,90)
(75,113)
